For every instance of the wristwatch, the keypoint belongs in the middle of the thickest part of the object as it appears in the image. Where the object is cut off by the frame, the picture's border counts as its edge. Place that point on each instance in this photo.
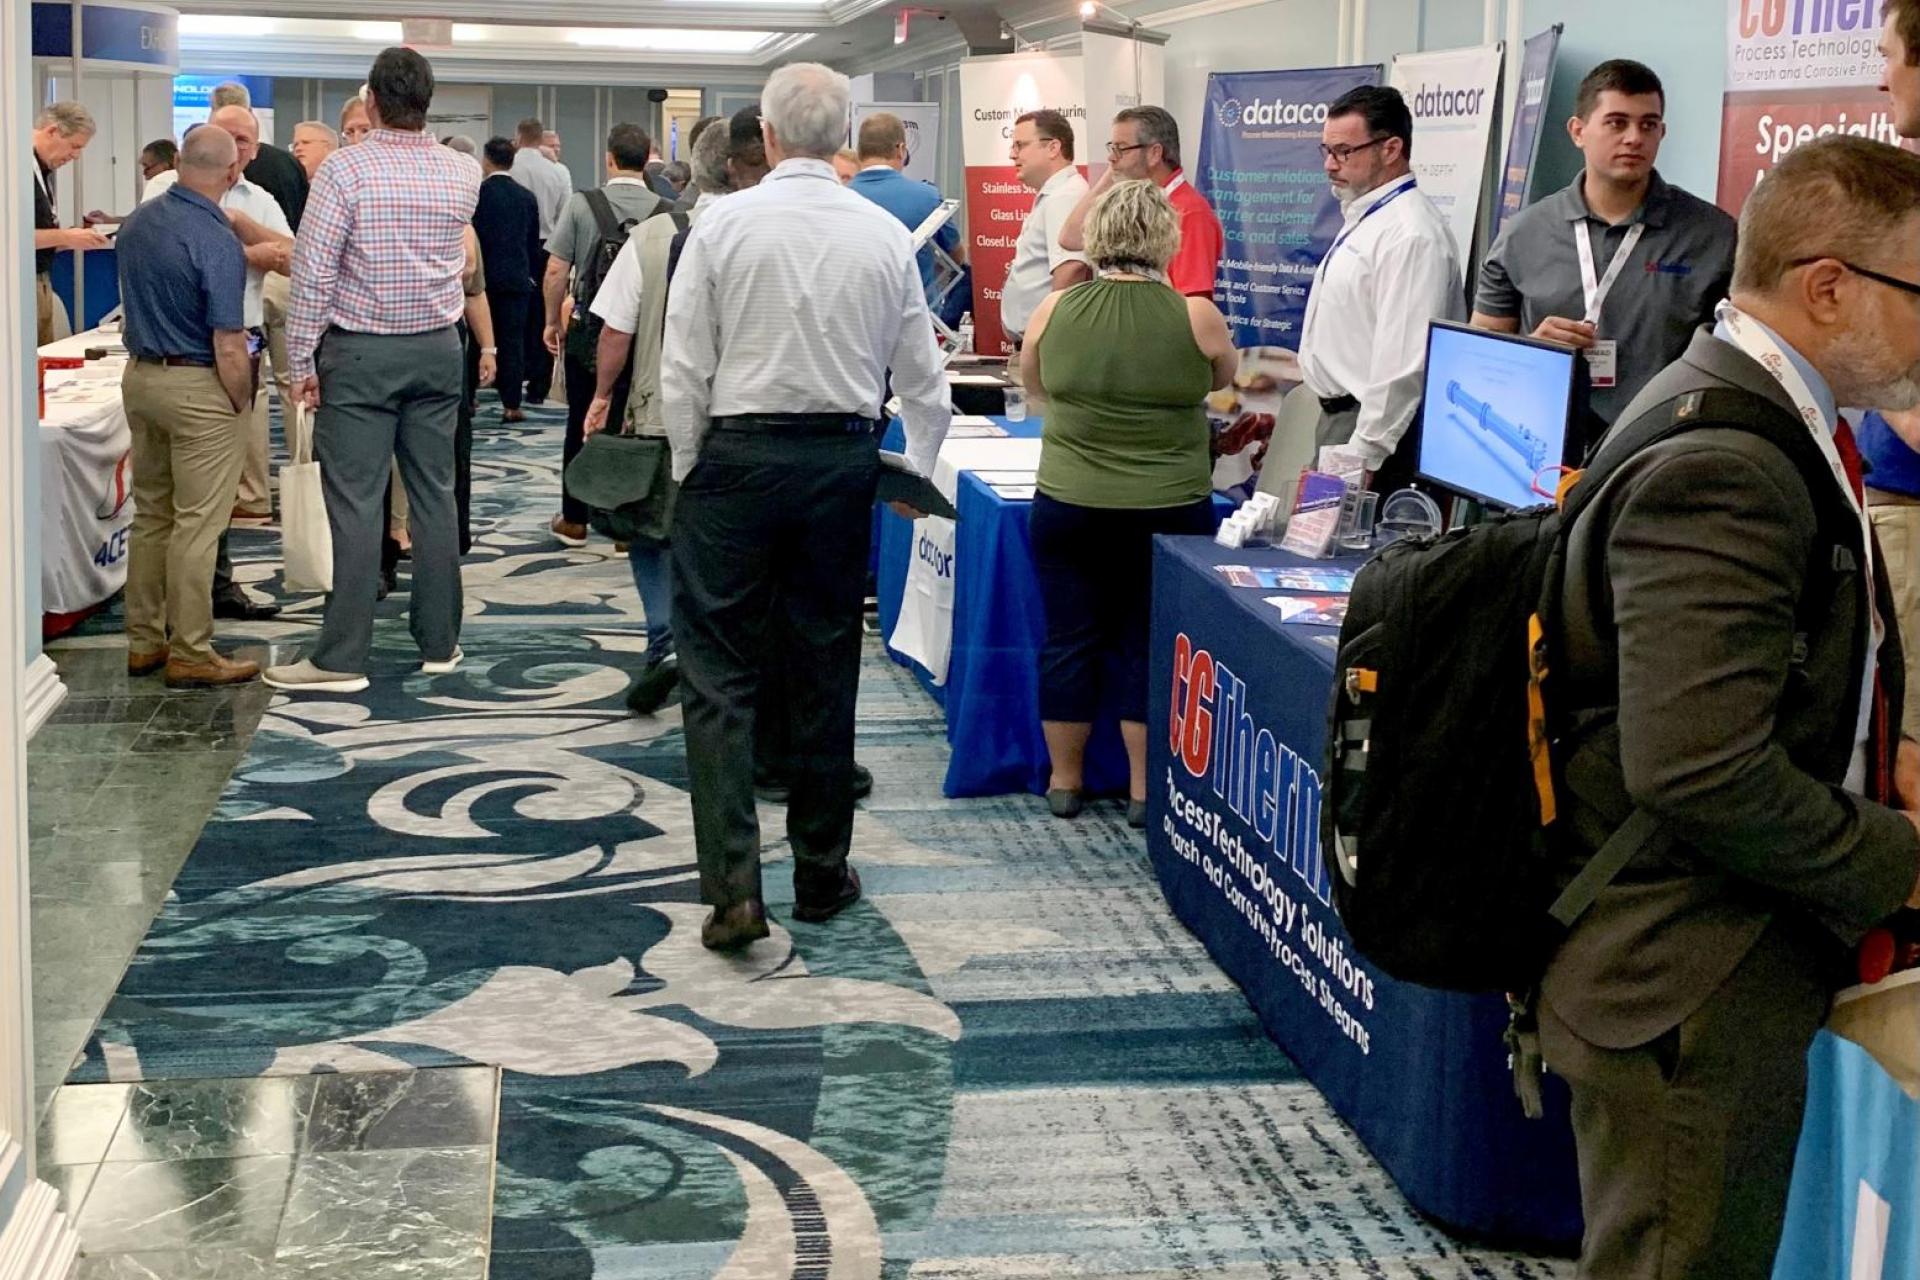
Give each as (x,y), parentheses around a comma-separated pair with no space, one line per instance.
(489,351)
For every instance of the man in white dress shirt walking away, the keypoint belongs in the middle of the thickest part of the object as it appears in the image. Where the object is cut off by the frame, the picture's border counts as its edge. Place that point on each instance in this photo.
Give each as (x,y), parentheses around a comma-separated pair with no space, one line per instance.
(790,303)
(1392,269)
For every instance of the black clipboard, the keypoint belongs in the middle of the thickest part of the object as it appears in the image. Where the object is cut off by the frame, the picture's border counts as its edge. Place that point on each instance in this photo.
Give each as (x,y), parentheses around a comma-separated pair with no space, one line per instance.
(899,482)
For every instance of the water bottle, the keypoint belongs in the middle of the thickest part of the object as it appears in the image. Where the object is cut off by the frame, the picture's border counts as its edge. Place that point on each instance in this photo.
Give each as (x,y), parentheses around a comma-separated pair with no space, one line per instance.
(966,334)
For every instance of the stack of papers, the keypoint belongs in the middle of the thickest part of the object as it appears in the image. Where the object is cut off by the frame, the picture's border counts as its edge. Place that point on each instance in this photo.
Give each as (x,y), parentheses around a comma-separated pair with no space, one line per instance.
(1311,611)
(1277,578)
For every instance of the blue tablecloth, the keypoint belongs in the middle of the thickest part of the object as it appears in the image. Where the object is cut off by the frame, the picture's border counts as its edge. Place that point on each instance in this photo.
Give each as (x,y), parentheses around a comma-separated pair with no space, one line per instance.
(1233,832)
(992,693)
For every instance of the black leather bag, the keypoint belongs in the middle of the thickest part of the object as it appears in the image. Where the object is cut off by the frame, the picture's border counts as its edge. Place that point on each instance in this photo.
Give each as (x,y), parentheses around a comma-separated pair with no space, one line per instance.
(627,483)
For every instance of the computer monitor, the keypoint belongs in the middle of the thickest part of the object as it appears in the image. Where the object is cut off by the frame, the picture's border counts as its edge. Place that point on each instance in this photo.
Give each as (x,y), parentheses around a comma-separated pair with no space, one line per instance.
(1496,414)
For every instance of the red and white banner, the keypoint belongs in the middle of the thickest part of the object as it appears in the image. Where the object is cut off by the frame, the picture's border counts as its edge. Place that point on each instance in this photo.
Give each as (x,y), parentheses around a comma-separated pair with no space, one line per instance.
(994,92)
(1796,71)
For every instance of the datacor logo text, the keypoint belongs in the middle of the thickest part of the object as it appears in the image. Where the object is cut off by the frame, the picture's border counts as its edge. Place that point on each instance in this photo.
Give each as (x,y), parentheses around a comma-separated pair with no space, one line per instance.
(1233,112)
(934,554)
(1433,101)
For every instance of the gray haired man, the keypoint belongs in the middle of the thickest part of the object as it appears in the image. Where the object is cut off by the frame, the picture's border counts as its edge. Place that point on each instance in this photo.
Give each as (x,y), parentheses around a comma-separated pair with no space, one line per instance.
(774,429)
(60,133)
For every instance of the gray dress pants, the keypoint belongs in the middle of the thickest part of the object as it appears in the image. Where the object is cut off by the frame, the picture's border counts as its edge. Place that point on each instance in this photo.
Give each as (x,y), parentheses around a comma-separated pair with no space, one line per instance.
(382,397)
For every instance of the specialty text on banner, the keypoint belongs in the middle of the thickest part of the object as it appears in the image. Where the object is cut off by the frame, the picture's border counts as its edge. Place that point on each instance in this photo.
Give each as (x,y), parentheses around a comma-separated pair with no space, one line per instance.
(1260,168)
(1523,142)
(1452,93)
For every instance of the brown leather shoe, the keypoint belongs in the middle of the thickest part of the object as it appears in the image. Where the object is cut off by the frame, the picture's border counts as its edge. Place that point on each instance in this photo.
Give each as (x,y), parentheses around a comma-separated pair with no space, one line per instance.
(813,903)
(145,664)
(209,675)
(512,415)
(734,927)
(567,532)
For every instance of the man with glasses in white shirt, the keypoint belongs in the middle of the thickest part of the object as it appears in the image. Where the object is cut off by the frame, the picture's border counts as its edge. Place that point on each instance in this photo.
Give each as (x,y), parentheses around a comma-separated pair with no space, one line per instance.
(1042,154)
(1392,269)
(791,303)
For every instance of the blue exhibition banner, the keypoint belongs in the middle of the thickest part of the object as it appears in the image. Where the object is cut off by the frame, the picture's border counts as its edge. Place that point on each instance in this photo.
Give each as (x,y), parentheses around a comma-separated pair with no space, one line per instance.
(1523,144)
(196,92)
(1856,1177)
(1261,169)
(129,35)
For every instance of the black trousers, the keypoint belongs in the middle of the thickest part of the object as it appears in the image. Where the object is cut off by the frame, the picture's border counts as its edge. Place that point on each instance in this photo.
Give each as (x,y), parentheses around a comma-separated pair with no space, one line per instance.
(539,361)
(509,330)
(1686,1143)
(463,442)
(770,541)
(1095,568)
(580,384)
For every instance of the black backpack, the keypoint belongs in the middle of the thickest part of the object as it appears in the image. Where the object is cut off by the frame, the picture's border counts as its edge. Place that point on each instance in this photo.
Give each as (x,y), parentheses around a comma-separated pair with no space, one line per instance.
(1444,732)
(583,335)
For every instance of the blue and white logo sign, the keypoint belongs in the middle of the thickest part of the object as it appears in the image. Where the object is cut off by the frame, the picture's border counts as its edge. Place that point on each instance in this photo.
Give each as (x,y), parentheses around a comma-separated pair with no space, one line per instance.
(134,36)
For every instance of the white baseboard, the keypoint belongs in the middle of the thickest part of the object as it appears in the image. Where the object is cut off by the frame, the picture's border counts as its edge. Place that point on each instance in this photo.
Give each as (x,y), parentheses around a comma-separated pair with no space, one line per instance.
(36,1240)
(44,692)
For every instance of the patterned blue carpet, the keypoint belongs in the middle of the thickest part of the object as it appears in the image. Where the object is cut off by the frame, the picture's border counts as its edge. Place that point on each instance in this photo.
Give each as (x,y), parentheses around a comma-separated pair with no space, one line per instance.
(1008,1061)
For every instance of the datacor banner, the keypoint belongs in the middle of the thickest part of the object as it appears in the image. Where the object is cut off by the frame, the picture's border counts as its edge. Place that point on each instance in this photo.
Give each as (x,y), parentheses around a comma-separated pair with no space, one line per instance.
(994,93)
(1453,94)
(1537,61)
(1796,70)
(1854,1210)
(1260,167)
(1121,72)
(922,121)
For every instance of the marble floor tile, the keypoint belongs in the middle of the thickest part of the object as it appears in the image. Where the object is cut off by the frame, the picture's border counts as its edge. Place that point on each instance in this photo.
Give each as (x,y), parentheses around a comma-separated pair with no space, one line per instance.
(198,1119)
(372,1111)
(395,1199)
(107,708)
(80,1123)
(81,879)
(57,1043)
(184,1264)
(423,1255)
(185,1204)
(83,739)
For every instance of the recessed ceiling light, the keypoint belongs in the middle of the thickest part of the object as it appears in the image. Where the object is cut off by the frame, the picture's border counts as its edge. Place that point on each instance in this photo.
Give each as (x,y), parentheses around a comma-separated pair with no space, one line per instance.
(213,24)
(667,39)
(383,32)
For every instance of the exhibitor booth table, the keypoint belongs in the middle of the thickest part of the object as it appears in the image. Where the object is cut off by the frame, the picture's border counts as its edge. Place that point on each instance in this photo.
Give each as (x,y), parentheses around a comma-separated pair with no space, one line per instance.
(990,688)
(1233,823)
(86,491)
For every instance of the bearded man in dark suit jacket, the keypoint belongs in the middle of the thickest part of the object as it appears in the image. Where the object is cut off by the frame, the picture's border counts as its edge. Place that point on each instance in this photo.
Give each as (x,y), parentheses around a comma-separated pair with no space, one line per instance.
(1738,637)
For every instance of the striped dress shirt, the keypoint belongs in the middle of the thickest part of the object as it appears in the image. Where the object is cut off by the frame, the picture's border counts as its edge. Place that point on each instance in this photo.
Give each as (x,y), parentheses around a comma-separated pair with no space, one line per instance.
(381,247)
(797,296)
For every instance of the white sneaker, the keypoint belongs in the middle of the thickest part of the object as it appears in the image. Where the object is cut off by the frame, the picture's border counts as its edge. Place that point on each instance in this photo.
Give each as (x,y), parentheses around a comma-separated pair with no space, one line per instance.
(430,667)
(304,677)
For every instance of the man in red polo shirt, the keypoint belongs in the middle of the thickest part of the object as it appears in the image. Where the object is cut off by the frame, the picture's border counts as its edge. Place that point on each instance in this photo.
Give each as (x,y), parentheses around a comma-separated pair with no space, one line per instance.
(1146,145)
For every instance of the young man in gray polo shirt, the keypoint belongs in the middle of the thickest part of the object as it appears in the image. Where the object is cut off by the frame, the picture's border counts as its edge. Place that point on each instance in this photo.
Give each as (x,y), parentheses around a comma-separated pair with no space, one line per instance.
(576,236)
(1619,264)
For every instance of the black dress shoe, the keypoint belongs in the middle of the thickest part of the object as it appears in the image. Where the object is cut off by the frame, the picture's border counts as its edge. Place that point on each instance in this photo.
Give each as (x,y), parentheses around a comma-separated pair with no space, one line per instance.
(812,905)
(240,609)
(734,927)
(654,685)
(389,582)
(778,790)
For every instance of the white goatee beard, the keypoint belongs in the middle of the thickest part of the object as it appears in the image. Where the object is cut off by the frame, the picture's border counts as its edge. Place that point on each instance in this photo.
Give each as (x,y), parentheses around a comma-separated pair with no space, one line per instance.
(1860,369)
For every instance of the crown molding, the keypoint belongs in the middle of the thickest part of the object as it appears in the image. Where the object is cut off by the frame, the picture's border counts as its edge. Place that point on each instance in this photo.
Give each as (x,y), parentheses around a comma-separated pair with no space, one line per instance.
(713,15)
(349,59)
(911,56)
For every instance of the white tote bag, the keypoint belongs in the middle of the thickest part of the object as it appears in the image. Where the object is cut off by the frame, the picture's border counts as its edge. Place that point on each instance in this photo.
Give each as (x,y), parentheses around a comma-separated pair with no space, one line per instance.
(924,632)
(303,511)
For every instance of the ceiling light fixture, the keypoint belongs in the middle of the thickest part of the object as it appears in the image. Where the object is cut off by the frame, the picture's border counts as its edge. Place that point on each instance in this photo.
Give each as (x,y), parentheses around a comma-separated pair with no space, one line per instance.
(668,39)
(213,24)
(378,32)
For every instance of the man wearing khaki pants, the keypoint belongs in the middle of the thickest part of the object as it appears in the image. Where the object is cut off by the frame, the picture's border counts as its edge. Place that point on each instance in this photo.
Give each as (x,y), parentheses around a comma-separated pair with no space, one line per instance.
(187,392)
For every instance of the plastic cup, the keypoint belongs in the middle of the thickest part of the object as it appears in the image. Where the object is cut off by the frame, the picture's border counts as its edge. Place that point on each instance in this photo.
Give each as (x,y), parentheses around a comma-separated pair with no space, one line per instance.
(1016,405)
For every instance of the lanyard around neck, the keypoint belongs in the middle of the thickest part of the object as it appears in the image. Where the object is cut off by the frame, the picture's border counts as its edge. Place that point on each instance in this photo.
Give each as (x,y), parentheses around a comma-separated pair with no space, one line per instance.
(1596,291)
(1372,209)
(1756,341)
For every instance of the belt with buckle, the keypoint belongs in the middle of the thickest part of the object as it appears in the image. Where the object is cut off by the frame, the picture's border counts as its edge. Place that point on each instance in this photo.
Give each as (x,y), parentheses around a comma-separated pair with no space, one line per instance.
(798,424)
(177,362)
(1331,405)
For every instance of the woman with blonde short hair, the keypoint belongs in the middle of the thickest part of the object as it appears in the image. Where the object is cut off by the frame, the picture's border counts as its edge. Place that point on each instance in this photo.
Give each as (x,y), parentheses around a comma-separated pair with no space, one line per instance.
(1124,363)
(355,123)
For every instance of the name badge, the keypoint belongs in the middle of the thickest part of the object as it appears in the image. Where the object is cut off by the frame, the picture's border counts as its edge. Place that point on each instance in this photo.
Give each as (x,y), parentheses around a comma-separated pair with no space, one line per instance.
(1603,363)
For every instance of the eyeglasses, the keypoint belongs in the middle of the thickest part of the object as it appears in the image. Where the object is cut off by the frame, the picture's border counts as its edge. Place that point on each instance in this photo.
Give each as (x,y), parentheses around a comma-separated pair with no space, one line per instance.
(1344,152)
(1022,146)
(1894,282)
(1115,150)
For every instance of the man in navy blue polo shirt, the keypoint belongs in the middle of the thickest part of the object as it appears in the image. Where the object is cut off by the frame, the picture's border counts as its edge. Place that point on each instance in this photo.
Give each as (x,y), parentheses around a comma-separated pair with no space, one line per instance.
(882,179)
(183,278)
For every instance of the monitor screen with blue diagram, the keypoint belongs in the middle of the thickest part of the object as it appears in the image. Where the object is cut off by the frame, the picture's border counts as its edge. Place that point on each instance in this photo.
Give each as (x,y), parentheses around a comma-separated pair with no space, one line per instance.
(1496,414)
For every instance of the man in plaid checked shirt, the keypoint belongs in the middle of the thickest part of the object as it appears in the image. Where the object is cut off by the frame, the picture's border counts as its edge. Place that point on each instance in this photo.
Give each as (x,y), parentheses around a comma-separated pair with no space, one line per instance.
(370,336)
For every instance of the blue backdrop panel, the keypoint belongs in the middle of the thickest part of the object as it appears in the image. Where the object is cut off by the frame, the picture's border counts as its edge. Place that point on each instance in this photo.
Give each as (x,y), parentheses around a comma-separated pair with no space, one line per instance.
(1233,832)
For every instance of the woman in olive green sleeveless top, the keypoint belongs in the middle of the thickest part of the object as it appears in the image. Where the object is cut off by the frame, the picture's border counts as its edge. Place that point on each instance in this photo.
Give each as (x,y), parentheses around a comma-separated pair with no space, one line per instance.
(1124,363)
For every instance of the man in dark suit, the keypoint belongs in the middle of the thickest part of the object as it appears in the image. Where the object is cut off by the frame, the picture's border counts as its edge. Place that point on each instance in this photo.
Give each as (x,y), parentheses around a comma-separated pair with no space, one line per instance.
(1730,636)
(507,220)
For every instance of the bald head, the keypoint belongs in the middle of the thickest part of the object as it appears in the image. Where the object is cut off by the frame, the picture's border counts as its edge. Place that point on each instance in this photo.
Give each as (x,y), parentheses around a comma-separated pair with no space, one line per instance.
(209,162)
(239,123)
